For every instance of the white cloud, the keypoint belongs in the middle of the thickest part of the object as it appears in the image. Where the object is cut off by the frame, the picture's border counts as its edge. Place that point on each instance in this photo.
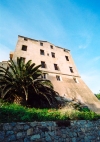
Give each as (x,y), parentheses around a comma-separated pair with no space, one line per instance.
(4,53)
(85,40)
(96,58)
(83,46)
(92,80)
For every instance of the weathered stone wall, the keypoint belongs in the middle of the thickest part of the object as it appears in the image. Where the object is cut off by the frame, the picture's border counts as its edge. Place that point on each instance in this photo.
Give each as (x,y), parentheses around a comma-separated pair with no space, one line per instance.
(60,131)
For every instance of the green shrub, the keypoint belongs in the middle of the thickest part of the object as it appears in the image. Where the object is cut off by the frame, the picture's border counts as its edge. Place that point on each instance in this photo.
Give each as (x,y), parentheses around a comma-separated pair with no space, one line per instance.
(18,113)
(98,96)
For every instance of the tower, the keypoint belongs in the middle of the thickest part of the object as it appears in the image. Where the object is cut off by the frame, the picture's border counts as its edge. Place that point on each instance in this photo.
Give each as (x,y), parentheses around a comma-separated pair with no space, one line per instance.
(58,66)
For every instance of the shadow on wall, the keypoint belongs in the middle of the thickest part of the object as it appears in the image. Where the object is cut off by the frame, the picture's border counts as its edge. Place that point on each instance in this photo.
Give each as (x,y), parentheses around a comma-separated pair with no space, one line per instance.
(94,106)
(79,101)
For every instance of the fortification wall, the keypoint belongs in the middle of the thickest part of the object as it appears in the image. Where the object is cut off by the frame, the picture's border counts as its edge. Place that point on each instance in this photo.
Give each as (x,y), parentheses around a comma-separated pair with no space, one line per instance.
(60,131)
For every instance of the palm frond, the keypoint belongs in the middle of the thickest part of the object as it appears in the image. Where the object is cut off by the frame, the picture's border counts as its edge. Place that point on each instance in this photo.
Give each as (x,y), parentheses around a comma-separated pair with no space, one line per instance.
(23,80)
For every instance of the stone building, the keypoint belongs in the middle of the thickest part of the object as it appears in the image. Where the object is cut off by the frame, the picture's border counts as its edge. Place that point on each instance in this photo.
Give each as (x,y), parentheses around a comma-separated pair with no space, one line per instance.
(58,66)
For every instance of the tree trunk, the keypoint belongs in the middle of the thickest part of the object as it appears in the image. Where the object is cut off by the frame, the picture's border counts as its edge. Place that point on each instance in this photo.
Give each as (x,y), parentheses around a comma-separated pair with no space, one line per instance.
(20,100)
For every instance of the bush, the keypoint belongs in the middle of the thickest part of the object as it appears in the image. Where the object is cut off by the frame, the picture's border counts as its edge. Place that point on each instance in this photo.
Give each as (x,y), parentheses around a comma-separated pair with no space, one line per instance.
(18,113)
(98,96)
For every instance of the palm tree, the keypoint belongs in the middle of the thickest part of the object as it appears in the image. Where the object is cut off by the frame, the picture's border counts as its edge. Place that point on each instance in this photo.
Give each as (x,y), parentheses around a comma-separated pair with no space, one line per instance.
(22,81)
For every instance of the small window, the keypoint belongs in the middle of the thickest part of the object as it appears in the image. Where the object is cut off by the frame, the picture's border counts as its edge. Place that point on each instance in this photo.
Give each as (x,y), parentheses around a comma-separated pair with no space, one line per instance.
(44,76)
(71,69)
(58,77)
(56,67)
(43,65)
(41,52)
(25,39)
(51,46)
(41,43)
(24,47)
(23,59)
(53,54)
(67,58)
(76,80)
(47,54)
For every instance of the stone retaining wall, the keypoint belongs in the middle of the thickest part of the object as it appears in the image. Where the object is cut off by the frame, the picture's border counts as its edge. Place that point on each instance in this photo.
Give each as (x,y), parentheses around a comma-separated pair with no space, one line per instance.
(60,131)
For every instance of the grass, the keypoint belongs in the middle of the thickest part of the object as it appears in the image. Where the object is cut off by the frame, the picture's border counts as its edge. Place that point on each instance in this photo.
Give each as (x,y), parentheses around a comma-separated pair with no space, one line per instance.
(17,113)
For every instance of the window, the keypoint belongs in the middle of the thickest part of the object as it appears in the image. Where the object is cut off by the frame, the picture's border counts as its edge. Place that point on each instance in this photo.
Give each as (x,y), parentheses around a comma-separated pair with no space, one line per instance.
(51,46)
(67,58)
(25,39)
(47,54)
(56,67)
(71,69)
(53,54)
(41,52)
(65,50)
(23,59)
(43,65)
(58,77)
(44,76)
(24,47)
(41,43)
(76,80)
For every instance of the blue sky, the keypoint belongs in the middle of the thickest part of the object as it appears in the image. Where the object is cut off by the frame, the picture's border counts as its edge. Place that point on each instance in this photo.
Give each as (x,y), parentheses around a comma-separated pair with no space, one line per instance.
(72,24)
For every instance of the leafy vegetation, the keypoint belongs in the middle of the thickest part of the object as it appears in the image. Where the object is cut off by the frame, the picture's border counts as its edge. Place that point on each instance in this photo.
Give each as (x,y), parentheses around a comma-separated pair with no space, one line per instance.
(18,113)
(98,96)
(21,83)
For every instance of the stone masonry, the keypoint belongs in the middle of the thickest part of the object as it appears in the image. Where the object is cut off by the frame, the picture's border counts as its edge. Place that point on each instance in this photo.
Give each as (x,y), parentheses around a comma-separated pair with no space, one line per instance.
(60,131)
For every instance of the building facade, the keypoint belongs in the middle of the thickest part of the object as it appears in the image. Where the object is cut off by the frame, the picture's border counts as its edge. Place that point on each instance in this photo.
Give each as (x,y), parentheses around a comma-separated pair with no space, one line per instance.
(56,62)
(58,66)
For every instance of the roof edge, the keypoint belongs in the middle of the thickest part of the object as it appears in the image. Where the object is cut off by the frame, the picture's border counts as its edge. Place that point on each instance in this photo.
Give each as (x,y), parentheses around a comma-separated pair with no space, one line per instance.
(44,41)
